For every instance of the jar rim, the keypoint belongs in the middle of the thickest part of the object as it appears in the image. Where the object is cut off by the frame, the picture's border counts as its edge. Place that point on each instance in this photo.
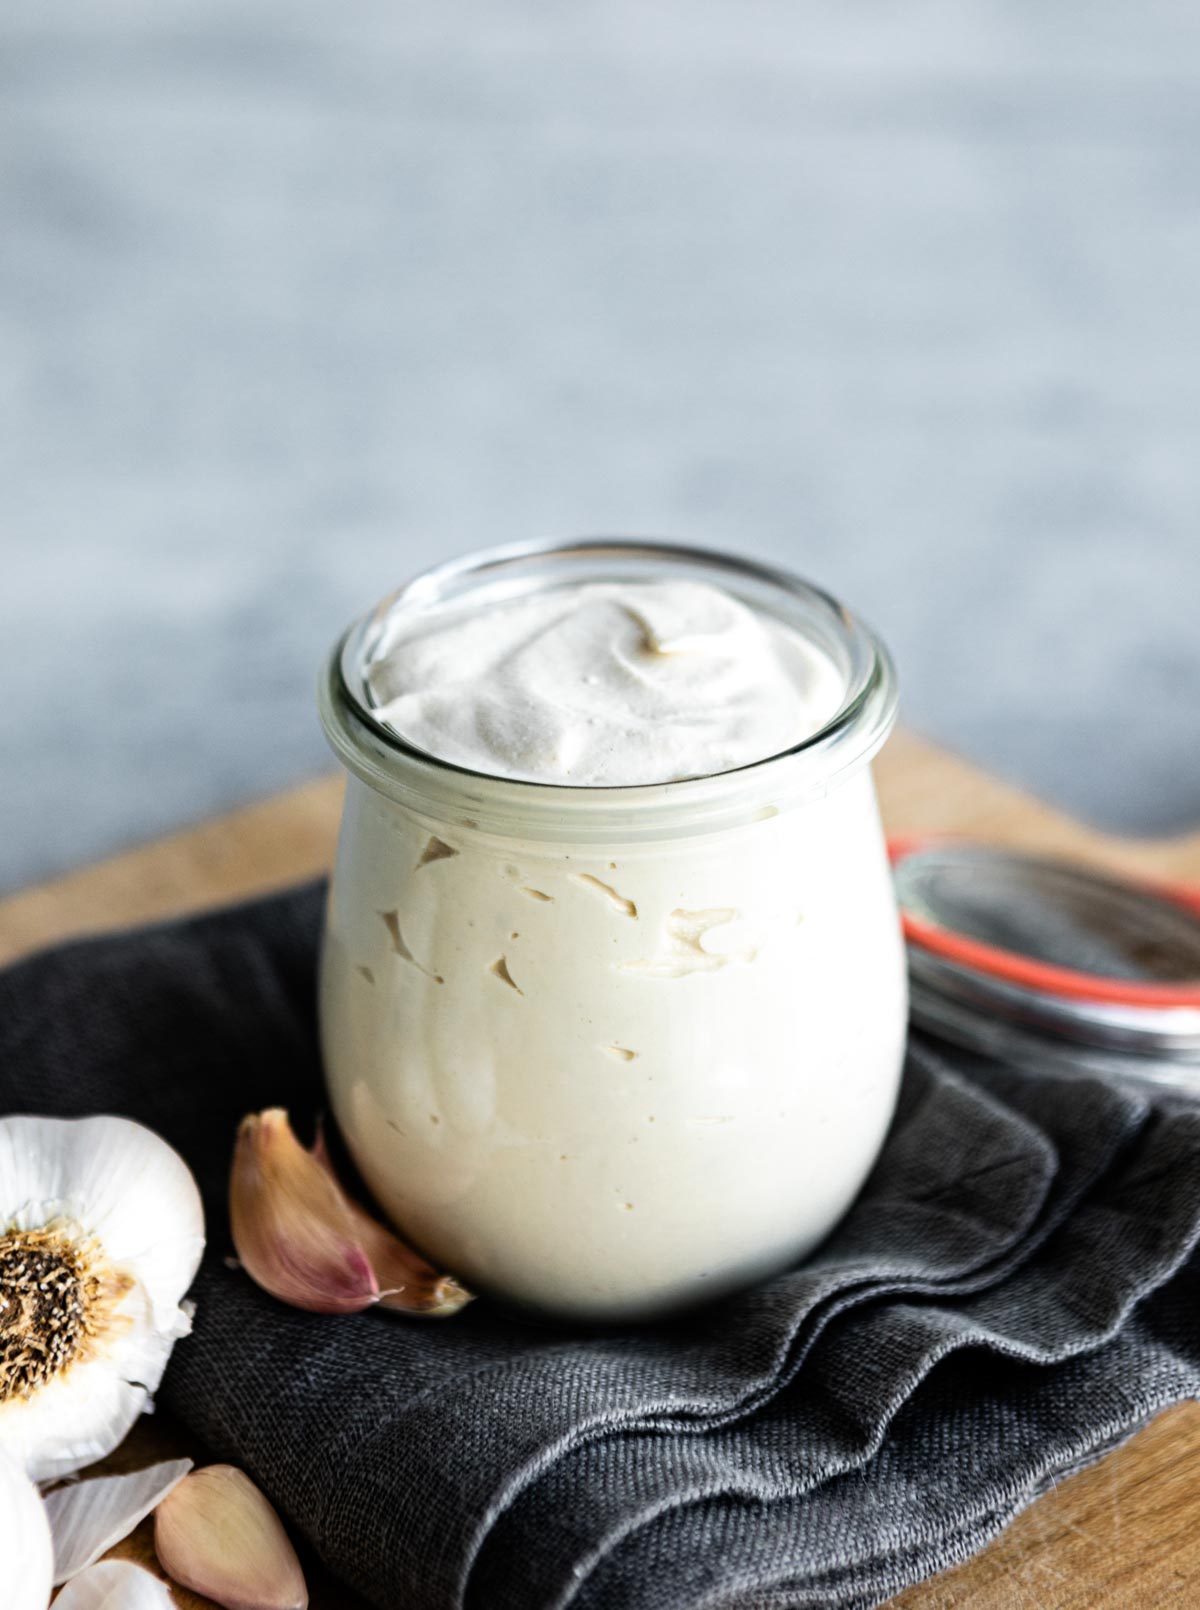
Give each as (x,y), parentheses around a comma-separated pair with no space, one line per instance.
(382,757)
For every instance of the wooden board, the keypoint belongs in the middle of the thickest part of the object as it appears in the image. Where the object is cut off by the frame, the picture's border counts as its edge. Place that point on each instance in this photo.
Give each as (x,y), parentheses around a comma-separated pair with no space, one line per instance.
(1122,1536)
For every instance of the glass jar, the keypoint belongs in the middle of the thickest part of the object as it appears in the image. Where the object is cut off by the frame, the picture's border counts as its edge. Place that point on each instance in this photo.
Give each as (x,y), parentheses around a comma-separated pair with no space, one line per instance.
(606,1052)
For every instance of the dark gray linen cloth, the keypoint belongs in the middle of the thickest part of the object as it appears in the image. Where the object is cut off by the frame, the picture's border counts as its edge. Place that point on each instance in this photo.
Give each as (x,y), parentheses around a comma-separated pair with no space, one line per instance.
(1013,1293)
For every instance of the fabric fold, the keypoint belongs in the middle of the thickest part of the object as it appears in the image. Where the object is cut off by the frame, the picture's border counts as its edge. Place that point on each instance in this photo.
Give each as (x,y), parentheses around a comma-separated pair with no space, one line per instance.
(1069,1294)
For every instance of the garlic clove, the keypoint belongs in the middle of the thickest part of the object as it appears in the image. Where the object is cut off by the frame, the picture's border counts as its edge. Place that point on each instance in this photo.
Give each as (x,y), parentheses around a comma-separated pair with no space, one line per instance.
(88,1517)
(217,1534)
(26,1553)
(291,1224)
(407,1283)
(115,1585)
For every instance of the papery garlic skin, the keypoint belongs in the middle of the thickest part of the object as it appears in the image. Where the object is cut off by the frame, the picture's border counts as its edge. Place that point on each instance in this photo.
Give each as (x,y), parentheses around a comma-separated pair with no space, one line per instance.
(119,1207)
(87,1518)
(26,1553)
(217,1534)
(115,1585)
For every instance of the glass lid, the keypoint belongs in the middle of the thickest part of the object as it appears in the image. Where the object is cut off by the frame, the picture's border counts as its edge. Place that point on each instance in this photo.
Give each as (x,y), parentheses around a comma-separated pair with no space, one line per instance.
(1048,950)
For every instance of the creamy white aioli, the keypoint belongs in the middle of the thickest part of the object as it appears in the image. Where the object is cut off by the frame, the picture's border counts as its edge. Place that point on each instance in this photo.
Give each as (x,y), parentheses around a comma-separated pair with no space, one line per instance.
(603,684)
(608,1080)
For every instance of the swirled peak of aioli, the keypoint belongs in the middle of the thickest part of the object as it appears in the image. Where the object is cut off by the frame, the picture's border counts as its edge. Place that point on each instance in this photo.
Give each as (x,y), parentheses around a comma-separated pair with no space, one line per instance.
(602,684)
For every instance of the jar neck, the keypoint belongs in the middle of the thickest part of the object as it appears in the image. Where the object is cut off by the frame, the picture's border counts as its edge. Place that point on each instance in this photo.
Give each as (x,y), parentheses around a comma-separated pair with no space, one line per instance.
(641,812)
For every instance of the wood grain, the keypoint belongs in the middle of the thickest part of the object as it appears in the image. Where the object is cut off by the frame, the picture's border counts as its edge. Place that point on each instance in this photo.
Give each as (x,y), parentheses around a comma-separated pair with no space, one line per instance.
(1122,1536)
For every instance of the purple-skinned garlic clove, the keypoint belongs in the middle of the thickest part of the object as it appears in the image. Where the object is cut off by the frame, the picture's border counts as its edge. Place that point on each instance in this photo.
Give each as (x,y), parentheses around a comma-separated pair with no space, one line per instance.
(291,1223)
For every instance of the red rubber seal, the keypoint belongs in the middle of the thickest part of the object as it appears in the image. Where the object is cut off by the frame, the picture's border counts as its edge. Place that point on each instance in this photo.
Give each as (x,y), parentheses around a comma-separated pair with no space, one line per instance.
(1014,968)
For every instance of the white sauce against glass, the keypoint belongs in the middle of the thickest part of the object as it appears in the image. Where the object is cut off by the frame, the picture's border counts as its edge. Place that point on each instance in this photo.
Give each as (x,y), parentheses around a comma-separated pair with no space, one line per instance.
(609,1079)
(603,684)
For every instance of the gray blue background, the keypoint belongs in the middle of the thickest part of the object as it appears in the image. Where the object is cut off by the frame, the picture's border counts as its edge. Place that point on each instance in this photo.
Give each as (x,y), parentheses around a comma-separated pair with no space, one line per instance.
(297,297)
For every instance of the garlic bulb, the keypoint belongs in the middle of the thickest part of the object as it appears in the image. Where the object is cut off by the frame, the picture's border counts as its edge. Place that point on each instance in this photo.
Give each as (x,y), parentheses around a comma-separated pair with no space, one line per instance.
(101,1231)
(25,1550)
